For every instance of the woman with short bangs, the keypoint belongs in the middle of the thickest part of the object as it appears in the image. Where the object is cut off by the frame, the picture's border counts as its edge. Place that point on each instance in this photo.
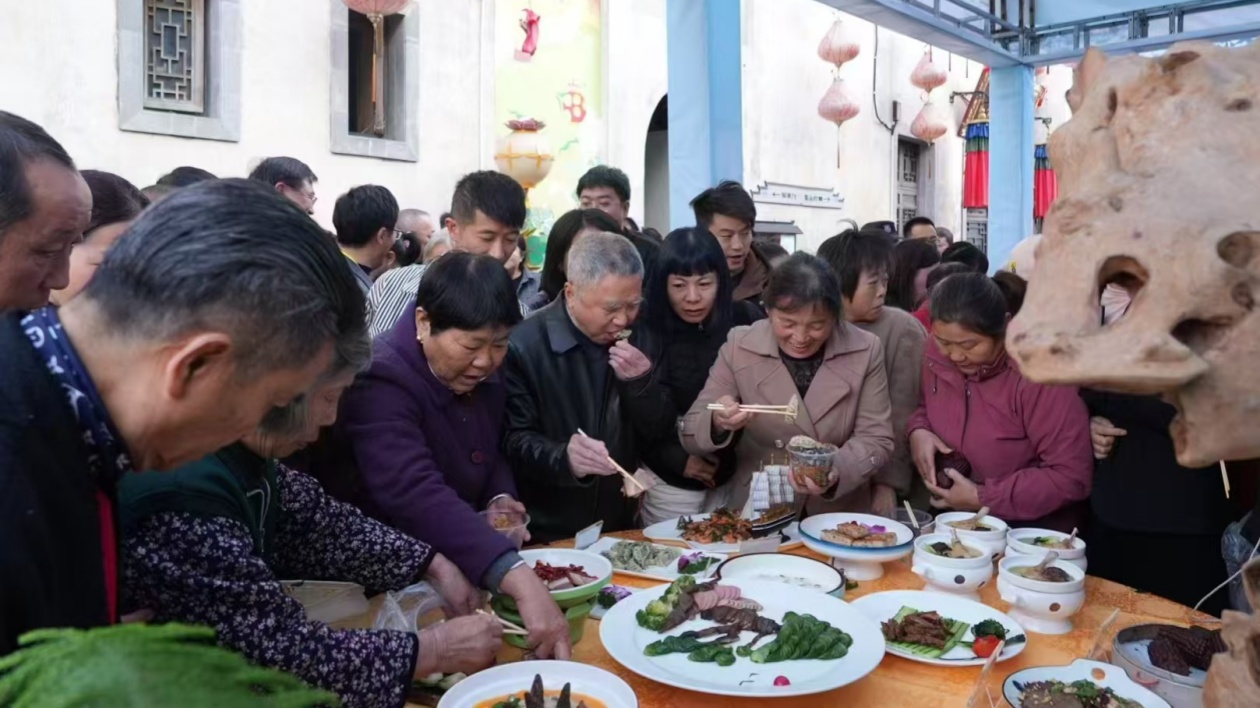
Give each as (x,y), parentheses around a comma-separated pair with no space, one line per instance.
(1026,444)
(806,350)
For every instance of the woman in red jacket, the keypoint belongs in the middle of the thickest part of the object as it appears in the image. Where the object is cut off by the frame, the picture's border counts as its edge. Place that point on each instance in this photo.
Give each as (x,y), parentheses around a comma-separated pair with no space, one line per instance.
(1020,448)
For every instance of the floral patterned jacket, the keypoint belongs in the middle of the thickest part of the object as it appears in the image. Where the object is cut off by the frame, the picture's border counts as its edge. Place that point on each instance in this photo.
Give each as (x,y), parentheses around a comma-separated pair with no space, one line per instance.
(207,569)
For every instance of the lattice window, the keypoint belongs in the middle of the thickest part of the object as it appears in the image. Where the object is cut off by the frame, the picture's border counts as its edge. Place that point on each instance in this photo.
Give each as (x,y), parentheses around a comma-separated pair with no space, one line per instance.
(175,55)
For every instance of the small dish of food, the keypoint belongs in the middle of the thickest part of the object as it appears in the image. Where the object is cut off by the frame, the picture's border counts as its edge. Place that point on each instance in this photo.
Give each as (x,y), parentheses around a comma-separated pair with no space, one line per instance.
(509,523)
(981,530)
(811,459)
(1170,660)
(951,565)
(1043,595)
(574,577)
(1081,684)
(1036,543)
(794,570)
(858,543)
(541,684)
(942,630)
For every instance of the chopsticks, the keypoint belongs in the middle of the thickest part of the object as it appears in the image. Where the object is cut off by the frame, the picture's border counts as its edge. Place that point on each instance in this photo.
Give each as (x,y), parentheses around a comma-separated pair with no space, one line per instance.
(910,512)
(1225,478)
(773,410)
(618,467)
(508,627)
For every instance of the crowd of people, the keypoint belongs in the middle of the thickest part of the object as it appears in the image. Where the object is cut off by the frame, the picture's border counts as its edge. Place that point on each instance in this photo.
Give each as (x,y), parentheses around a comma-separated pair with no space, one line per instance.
(205,392)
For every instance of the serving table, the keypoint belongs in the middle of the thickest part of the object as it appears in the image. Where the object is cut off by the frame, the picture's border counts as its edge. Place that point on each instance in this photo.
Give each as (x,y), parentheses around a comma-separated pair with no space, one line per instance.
(900,682)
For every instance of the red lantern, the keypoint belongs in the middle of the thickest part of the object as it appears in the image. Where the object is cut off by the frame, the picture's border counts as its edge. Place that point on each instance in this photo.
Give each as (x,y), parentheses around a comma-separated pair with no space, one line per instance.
(927,75)
(376,10)
(837,105)
(931,123)
(838,46)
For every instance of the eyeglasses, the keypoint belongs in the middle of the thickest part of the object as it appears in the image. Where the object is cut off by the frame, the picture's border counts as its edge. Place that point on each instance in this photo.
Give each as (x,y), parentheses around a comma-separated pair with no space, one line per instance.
(400,235)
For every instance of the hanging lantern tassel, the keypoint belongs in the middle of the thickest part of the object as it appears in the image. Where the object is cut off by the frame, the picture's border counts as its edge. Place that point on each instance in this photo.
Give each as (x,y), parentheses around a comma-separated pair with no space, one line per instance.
(931,123)
(838,106)
(838,46)
(927,75)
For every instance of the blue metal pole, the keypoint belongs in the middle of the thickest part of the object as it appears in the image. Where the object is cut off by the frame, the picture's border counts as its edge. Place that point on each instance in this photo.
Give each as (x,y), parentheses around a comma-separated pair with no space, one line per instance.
(1010,160)
(706,131)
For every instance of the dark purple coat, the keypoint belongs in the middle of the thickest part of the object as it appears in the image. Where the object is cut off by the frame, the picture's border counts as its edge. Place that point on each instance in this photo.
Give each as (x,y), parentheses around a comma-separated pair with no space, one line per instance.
(427,460)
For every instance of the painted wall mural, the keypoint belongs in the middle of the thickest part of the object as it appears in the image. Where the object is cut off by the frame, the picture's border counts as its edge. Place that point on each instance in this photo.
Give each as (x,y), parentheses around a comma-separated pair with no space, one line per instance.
(549,67)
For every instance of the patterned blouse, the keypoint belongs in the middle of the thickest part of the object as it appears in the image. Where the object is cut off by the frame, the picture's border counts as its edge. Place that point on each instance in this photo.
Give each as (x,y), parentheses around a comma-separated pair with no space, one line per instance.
(203,570)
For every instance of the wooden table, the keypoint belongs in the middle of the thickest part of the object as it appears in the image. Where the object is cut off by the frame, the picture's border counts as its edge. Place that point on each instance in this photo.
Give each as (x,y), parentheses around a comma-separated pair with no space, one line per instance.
(898,682)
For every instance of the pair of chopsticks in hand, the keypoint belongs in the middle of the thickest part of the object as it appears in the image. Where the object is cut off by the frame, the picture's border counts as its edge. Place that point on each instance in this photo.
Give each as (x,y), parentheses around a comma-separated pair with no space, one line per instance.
(775,410)
(508,627)
(618,467)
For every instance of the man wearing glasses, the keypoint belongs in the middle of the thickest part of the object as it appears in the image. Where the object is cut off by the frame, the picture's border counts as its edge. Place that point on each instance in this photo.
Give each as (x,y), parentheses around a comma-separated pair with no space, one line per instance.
(364,219)
(291,178)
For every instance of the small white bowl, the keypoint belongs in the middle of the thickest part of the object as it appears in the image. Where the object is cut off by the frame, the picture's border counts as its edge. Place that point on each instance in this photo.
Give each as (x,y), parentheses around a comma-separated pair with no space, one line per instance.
(956,576)
(991,542)
(1042,607)
(1019,543)
(798,571)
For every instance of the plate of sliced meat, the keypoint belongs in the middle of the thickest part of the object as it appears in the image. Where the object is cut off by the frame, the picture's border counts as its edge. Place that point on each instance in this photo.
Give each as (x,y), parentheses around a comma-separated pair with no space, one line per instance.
(572,576)
(751,638)
(942,629)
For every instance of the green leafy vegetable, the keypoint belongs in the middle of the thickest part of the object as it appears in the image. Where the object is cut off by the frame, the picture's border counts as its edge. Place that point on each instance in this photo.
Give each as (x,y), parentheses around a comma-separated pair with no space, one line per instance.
(653,616)
(804,637)
(143,665)
(720,654)
(673,645)
(989,628)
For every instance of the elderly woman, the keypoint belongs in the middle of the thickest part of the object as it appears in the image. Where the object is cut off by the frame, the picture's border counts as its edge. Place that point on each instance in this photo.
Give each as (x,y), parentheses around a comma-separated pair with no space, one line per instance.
(1026,444)
(690,311)
(208,544)
(115,202)
(861,261)
(806,350)
(174,349)
(570,227)
(418,442)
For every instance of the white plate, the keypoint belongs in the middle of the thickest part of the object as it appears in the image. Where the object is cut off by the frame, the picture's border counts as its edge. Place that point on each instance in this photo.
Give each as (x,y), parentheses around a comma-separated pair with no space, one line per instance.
(660,572)
(883,606)
(624,640)
(1113,677)
(517,677)
(668,531)
(785,568)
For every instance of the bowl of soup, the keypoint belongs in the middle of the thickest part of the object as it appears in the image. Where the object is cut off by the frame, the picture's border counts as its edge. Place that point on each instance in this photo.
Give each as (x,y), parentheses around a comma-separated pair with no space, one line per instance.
(989,533)
(1043,600)
(949,566)
(1036,543)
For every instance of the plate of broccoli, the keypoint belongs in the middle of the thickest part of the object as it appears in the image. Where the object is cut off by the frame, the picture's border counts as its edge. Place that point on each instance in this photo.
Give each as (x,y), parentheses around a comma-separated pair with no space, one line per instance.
(759,638)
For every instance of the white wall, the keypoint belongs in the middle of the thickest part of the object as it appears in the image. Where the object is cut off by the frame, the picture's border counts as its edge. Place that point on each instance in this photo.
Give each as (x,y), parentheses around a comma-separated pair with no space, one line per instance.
(62,74)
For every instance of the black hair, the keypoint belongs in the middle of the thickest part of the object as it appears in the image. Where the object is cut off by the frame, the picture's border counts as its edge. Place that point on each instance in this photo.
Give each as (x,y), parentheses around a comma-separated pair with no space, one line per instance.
(362,212)
(235,255)
(21,142)
(608,177)
(771,253)
(851,253)
(286,170)
(492,193)
(943,271)
(968,253)
(972,301)
(114,199)
(560,240)
(916,221)
(688,252)
(442,219)
(801,281)
(885,227)
(157,192)
(468,292)
(184,177)
(730,199)
(909,257)
(407,250)
(1013,289)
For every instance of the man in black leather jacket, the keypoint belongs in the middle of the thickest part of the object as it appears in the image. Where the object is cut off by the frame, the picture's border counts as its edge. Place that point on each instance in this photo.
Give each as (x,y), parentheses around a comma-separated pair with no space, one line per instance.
(568,369)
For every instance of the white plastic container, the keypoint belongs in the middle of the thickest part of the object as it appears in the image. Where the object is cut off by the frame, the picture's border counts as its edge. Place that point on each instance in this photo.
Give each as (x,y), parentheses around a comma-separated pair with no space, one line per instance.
(956,576)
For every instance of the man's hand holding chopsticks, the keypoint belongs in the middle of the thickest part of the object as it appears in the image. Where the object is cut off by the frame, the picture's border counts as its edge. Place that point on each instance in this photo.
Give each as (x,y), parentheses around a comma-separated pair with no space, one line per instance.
(588,456)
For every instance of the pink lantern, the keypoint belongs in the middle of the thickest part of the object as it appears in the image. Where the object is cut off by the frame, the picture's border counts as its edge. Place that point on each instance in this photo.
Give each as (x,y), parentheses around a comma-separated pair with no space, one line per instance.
(376,10)
(838,46)
(927,75)
(931,123)
(837,105)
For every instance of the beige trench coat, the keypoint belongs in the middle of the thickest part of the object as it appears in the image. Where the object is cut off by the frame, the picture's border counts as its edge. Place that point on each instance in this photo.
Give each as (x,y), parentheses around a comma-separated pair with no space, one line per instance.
(847,405)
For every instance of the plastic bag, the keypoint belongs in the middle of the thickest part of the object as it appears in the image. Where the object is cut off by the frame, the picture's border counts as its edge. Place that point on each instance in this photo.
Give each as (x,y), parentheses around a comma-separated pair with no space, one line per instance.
(1237,550)
(411,609)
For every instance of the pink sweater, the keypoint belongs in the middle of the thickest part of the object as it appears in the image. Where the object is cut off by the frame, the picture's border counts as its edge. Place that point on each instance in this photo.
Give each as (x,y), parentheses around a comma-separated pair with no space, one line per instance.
(1028,444)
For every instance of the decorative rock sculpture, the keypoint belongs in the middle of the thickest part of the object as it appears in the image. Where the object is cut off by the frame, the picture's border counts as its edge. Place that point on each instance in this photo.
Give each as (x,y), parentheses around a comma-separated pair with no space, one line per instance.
(1157,171)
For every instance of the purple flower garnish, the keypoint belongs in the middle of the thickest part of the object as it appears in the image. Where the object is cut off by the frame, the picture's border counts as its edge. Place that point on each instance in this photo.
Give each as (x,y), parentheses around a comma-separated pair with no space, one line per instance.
(878,529)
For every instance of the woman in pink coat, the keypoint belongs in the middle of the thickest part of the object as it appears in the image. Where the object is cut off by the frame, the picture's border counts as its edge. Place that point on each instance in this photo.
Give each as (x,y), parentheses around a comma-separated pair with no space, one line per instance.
(1020,448)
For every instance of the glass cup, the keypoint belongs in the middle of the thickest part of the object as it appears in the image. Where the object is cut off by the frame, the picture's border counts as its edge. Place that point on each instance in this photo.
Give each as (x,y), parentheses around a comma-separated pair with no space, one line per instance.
(927,523)
(509,523)
(813,463)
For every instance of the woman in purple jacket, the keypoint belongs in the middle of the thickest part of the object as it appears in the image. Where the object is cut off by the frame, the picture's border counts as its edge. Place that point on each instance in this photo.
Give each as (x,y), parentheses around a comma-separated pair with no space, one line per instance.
(422,430)
(1026,445)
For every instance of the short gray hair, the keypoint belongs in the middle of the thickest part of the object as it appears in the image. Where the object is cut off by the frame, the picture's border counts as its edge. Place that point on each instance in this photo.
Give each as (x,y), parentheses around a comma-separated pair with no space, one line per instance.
(441,238)
(597,256)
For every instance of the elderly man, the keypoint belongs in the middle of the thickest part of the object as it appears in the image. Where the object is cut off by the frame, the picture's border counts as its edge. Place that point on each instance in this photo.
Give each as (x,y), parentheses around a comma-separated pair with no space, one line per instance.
(44,208)
(420,223)
(487,214)
(567,369)
(221,304)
